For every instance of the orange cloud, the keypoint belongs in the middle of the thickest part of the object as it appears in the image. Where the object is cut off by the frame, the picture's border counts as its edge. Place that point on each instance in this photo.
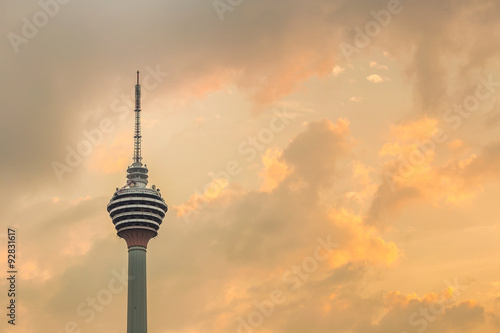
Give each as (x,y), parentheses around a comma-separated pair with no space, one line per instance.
(414,171)
(274,171)
(196,201)
(362,244)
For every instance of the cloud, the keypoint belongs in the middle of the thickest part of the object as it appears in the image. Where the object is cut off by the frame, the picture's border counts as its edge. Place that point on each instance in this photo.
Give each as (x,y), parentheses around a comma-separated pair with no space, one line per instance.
(197,201)
(272,231)
(374,64)
(337,70)
(274,170)
(431,313)
(314,162)
(427,164)
(375,78)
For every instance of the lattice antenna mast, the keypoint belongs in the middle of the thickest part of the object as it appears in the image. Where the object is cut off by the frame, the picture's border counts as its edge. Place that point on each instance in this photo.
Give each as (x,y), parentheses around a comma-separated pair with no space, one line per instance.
(137,134)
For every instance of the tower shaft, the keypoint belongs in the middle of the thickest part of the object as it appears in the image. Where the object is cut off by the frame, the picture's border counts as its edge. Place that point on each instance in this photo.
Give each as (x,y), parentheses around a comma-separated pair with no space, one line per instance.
(137,302)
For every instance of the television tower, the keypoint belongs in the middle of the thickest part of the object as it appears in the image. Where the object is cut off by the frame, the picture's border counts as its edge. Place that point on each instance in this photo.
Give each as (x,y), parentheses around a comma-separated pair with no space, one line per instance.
(137,212)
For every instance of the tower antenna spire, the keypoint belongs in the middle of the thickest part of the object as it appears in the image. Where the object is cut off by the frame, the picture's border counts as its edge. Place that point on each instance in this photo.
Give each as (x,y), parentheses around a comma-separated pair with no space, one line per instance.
(137,134)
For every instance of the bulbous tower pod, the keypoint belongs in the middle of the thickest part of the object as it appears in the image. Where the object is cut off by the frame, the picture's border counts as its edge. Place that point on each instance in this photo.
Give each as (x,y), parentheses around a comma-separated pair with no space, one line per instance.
(137,213)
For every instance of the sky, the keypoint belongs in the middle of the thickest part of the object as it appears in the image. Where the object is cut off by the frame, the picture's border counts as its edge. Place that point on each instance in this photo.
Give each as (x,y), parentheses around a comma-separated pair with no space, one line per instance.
(329,165)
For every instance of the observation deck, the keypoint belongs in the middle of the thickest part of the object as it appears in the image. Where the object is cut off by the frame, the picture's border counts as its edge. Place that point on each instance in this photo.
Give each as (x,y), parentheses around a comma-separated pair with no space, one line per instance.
(137,209)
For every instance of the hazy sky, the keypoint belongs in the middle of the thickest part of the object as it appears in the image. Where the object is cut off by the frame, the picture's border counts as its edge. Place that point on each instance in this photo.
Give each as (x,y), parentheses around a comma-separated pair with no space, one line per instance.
(329,165)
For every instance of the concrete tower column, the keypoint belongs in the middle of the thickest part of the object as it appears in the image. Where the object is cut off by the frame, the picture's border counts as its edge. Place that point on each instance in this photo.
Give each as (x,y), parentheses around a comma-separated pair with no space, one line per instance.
(137,317)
